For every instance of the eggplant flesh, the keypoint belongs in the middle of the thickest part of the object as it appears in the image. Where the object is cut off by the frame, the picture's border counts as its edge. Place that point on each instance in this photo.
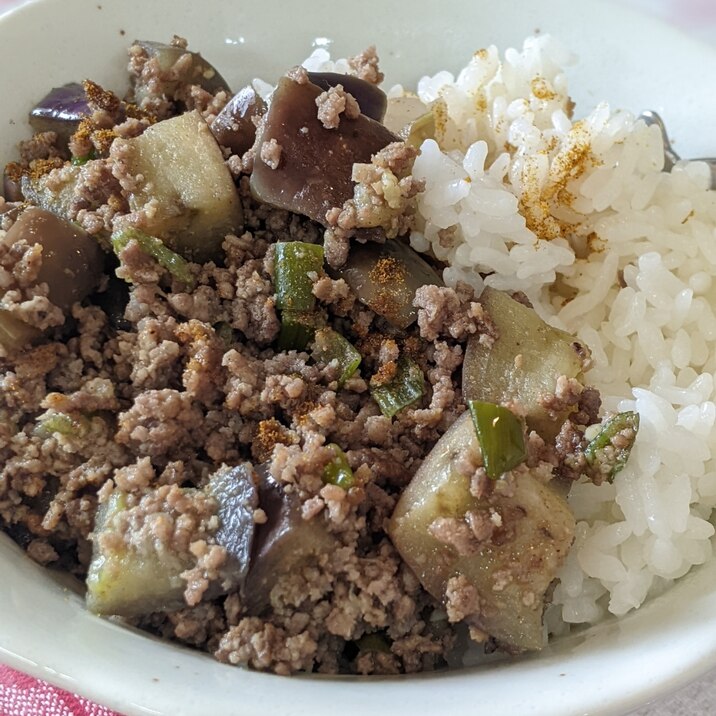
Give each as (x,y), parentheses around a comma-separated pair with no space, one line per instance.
(316,164)
(183,171)
(513,570)
(493,374)
(126,580)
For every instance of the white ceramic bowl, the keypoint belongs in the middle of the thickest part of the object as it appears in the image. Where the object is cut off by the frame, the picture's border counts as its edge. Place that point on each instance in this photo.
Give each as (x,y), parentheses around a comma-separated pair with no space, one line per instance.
(632,61)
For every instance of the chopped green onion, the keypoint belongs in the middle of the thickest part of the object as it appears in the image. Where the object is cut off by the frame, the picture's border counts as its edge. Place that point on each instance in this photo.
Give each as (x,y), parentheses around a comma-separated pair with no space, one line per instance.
(297,330)
(610,449)
(329,345)
(80,161)
(406,387)
(294,261)
(501,436)
(63,424)
(154,247)
(338,471)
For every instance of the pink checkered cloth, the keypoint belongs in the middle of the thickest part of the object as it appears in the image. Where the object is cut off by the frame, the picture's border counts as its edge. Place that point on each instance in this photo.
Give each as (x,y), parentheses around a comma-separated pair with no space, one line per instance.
(21,695)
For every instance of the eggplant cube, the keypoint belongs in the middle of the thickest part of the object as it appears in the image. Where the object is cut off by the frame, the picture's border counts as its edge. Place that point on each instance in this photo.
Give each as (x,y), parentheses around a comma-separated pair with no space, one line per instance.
(125,581)
(283,544)
(180,168)
(493,375)
(513,569)
(72,261)
(314,173)
(133,577)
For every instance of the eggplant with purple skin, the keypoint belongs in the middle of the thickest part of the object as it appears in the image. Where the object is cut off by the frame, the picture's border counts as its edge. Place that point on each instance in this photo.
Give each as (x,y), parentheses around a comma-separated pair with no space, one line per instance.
(371,99)
(234,127)
(283,544)
(60,111)
(315,166)
(385,278)
(72,265)
(172,74)
(134,577)
(72,262)
(511,568)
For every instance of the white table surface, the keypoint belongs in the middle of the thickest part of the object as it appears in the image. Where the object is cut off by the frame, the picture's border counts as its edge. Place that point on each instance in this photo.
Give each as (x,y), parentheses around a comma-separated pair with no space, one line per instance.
(696,18)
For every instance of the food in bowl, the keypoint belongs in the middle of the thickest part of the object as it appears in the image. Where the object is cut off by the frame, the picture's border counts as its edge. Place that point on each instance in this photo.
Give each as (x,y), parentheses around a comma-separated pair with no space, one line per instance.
(260,422)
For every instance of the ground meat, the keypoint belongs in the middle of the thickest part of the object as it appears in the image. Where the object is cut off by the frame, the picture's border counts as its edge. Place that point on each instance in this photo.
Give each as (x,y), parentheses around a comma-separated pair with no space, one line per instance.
(160,422)
(365,66)
(41,146)
(152,398)
(455,533)
(334,102)
(441,312)
(271,153)
(461,599)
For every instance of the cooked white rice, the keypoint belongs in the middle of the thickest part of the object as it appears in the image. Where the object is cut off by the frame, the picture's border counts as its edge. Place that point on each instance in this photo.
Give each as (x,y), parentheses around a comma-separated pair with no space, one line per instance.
(580,217)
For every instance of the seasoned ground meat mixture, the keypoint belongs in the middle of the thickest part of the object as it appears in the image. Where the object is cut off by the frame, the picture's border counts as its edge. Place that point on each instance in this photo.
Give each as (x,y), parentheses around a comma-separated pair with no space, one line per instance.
(219,407)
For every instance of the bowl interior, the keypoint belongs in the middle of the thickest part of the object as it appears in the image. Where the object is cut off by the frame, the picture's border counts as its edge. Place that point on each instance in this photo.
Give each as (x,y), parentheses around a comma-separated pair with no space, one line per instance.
(44,628)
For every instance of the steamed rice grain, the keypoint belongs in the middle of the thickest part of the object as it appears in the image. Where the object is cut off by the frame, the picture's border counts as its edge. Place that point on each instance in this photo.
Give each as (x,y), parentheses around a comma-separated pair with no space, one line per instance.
(579,216)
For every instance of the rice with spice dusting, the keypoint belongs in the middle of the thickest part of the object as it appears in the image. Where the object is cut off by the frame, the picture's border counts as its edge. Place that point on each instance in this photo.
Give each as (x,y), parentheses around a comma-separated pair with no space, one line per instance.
(579,215)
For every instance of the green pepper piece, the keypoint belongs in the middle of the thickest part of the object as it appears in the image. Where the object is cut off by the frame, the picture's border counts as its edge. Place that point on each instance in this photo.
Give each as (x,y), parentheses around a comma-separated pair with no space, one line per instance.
(297,329)
(501,437)
(63,424)
(294,260)
(80,161)
(329,345)
(338,471)
(405,388)
(154,247)
(611,447)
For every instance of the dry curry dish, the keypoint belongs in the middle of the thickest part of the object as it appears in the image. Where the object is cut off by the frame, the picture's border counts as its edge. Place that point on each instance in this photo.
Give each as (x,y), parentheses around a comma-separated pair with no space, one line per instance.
(245,412)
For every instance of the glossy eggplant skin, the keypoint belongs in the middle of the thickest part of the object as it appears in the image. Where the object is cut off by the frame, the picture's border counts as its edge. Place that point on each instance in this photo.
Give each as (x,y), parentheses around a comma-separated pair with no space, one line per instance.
(385,278)
(198,71)
(284,543)
(60,111)
(511,571)
(492,374)
(316,164)
(372,101)
(236,492)
(234,127)
(128,580)
(72,261)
